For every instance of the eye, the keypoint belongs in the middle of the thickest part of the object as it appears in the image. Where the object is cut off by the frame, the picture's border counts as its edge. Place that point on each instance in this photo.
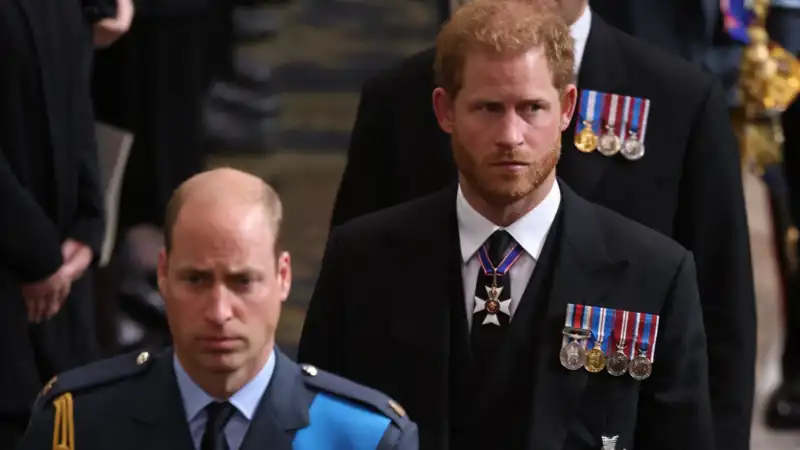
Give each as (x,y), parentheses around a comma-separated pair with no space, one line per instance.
(242,280)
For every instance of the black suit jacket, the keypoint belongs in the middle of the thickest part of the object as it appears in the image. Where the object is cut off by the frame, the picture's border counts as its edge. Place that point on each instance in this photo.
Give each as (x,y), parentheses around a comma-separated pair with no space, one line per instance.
(687,186)
(49,186)
(377,318)
(126,403)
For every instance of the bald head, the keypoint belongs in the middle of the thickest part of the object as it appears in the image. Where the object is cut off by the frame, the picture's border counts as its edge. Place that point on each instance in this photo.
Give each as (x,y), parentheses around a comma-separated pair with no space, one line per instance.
(224,194)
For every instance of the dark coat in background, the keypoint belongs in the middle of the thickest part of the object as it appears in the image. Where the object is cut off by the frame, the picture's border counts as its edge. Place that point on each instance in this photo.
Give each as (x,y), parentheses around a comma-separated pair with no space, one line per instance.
(49,189)
(153,82)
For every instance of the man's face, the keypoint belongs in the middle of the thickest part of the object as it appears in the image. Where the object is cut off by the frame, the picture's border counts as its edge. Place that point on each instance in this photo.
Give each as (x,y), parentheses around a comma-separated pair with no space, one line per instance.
(223,288)
(505,123)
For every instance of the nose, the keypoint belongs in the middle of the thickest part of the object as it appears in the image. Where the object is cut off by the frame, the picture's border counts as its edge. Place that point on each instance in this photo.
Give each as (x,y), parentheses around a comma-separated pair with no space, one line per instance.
(218,309)
(510,135)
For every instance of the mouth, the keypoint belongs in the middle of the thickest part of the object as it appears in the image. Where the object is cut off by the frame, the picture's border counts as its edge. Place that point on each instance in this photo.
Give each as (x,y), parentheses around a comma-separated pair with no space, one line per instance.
(511,165)
(219,343)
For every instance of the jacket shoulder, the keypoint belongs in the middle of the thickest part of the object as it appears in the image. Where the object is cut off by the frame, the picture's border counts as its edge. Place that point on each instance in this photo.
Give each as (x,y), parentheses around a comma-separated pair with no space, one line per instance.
(96,375)
(665,71)
(363,397)
(408,74)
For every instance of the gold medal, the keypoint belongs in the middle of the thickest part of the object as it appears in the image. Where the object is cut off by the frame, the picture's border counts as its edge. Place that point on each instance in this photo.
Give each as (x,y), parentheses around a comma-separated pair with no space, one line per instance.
(586,140)
(595,359)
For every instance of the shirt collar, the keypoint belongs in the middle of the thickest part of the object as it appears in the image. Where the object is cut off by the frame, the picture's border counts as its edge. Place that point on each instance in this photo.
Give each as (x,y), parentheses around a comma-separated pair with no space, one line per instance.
(529,230)
(580,34)
(245,400)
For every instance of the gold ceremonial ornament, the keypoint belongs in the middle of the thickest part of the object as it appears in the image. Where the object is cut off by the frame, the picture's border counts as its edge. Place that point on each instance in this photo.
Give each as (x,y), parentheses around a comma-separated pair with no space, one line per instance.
(586,140)
(399,410)
(769,82)
(64,423)
(142,358)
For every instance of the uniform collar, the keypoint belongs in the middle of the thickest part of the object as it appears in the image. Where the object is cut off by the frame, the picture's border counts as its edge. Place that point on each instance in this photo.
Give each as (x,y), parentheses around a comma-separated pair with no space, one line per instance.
(245,400)
(529,230)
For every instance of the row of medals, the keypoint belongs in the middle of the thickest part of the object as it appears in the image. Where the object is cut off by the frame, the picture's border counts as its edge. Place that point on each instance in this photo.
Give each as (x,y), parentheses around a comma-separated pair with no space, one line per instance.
(573,357)
(609,144)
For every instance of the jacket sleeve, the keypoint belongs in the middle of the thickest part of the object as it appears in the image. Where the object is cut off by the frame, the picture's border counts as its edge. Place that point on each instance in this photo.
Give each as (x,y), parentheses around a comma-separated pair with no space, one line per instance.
(397,438)
(88,224)
(363,188)
(322,339)
(29,243)
(712,224)
(674,407)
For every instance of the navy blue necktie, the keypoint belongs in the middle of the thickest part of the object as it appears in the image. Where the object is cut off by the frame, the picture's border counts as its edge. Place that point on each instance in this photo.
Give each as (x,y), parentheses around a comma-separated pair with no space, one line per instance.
(219,413)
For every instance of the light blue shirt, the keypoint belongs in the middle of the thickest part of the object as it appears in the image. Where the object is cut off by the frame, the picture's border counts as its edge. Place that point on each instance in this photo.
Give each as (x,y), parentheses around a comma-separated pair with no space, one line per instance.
(245,401)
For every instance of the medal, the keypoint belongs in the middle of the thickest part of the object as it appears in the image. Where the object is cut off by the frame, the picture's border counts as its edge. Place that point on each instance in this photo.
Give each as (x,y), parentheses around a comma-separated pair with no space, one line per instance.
(617,364)
(633,148)
(596,357)
(573,353)
(610,144)
(492,304)
(641,367)
(586,138)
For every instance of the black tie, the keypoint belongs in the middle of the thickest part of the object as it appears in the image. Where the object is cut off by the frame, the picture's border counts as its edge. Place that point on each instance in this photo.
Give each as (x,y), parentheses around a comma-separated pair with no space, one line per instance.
(219,413)
(491,316)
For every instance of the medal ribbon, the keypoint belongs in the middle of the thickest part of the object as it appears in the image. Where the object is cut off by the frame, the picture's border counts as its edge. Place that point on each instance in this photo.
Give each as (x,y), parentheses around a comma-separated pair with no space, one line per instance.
(612,113)
(608,329)
(645,113)
(653,333)
(501,269)
(635,332)
(643,341)
(626,111)
(574,319)
(589,109)
(597,327)
(635,116)
(620,329)
(586,323)
(736,18)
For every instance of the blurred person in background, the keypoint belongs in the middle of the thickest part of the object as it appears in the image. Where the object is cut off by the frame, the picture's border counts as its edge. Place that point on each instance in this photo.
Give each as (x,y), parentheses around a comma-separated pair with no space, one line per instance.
(52,222)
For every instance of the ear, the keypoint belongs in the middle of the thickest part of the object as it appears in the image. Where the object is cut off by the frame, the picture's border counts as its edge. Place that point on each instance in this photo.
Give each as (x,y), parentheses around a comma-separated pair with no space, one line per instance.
(284,275)
(161,271)
(568,103)
(443,107)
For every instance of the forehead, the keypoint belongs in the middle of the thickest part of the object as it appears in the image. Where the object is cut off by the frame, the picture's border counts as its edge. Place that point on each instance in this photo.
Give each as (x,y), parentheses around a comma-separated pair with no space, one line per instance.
(222,232)
(518,72)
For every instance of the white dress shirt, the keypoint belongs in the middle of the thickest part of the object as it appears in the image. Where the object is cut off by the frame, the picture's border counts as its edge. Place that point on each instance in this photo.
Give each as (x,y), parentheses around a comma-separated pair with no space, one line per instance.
(530,232)
(580,34)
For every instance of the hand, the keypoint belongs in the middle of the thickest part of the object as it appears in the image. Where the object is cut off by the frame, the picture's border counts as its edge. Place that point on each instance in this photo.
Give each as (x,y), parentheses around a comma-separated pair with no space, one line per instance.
(77,257)
(107,31)
(43,299)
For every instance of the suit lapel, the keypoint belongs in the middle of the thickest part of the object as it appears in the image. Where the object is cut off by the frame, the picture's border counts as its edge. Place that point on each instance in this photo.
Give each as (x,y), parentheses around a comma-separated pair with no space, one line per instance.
(602,70)
(157,409)
(583,274)
(282,410)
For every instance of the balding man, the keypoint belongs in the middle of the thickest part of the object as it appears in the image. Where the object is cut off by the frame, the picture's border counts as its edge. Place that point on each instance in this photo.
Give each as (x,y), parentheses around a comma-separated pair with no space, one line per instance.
(223,384)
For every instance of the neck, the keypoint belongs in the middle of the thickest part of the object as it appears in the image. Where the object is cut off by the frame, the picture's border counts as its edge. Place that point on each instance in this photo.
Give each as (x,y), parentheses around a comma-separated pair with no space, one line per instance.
(572,16)
(506,214)
(221,384)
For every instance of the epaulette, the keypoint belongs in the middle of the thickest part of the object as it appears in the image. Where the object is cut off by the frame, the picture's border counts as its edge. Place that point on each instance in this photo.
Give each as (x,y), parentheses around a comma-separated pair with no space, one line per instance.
(325,381)
(92,375)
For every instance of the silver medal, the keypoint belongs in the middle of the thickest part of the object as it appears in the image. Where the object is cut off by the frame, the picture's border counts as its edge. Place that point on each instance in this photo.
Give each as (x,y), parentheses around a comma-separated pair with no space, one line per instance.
(573,356)
(632,149)
(640,368)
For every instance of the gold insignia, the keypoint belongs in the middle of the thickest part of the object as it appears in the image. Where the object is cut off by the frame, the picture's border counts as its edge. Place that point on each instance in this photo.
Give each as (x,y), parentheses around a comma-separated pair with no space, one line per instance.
(47,387)
(64,423)
(397,408)
(142,358)
(310,370)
